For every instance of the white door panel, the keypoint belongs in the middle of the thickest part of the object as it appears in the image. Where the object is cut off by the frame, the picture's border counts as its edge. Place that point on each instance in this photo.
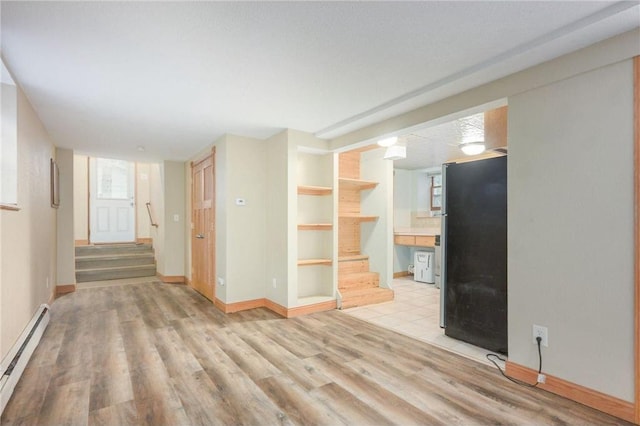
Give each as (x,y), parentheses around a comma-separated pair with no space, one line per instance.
(112,204)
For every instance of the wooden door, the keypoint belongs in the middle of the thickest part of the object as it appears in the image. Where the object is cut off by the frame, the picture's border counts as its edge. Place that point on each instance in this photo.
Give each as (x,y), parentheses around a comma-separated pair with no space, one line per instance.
(203,227)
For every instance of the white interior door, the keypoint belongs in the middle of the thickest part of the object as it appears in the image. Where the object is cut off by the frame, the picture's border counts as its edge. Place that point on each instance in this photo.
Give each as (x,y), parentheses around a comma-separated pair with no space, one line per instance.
(111,201)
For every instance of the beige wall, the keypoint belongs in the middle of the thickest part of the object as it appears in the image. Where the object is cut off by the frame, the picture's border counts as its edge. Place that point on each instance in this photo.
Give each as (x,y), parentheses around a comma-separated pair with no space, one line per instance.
(570,226)
(246,225)
(28,236)
(156,197)
(173,185)
(143,196)
(66,267)
(80,197)
(277,220)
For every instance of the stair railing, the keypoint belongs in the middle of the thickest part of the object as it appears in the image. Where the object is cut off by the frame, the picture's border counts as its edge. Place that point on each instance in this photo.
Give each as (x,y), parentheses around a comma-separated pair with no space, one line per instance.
(151,216)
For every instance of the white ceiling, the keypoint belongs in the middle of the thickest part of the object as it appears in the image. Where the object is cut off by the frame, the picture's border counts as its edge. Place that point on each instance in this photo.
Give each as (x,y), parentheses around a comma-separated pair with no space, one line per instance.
(106,77)
(429,147)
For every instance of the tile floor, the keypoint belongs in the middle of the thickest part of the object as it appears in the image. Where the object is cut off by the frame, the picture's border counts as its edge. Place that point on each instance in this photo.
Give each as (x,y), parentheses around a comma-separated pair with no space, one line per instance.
(415,312)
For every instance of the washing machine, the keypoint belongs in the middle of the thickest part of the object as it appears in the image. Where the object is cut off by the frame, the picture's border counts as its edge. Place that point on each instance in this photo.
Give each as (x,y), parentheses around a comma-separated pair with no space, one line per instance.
(424,271)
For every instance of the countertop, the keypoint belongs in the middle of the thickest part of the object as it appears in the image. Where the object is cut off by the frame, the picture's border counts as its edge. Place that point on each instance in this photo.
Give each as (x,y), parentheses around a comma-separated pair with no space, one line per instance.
(417,231)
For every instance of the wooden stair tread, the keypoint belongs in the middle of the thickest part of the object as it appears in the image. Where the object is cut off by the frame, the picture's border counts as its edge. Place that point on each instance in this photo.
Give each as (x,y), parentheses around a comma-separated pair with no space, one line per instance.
(353,257)
(362,297)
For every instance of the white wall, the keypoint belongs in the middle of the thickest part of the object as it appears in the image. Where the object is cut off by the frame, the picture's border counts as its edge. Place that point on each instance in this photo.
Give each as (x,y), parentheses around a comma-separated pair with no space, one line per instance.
(571,245)
(66,266)
(27,236)
(403,198)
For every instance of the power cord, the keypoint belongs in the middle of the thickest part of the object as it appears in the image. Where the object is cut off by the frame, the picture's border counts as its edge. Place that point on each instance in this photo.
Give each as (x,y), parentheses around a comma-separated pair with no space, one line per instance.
(513,379)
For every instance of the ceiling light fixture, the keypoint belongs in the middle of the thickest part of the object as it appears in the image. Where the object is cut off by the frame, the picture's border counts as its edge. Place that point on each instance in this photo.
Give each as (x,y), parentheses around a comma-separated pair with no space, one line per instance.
(472,148)
(395,152)
(388,141)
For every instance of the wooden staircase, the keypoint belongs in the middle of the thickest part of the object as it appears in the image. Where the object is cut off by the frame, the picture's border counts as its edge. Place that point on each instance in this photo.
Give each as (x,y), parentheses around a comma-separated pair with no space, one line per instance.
(357,285)
(114,261)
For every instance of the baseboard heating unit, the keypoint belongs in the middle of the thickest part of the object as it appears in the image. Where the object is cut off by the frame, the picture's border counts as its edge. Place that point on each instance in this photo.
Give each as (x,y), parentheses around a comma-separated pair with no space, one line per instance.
(16,360)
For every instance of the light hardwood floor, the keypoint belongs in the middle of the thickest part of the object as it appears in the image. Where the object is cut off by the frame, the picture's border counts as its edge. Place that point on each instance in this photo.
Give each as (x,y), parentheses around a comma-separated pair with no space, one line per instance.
(161,354)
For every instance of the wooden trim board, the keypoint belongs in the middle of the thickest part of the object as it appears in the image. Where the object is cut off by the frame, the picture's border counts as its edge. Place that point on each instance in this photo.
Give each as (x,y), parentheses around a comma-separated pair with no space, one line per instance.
(144,240)
(275,307)
(81,243)
(310,309)
(636,178)
(401,274)
(171,279)
(589,397)
(64,289)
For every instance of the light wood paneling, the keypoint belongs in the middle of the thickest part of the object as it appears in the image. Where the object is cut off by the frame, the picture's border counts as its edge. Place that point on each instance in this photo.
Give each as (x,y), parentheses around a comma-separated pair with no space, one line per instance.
(348,237)
(495,128)
(581,394)
(348,202)
(349,165)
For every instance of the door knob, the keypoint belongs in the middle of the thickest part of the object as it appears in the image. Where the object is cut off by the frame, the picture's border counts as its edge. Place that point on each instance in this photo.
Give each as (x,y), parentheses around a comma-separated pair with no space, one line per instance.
(200,236)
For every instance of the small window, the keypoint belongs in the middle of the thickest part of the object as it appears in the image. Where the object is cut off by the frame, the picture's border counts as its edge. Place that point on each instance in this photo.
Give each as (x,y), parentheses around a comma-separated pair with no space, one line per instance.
(9,147)
(436,192)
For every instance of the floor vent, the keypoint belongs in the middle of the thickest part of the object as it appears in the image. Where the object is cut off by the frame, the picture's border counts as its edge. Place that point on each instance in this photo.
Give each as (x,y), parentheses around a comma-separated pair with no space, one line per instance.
(16,360)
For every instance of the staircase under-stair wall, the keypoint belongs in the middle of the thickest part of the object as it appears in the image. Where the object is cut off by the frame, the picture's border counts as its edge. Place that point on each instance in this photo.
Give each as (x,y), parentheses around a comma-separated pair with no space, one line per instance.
(114,261)
(357,285)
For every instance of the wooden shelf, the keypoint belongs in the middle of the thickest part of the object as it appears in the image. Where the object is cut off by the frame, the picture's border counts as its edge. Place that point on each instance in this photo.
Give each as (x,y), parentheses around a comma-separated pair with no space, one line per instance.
(314,190)
(315,227)
(357,183)
(359,217)
(311,262)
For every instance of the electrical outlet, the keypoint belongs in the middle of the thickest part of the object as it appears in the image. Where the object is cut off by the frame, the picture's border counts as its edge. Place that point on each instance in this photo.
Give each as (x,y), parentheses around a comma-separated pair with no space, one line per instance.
(542,378)
(275,283)
(543,333)
(221,281)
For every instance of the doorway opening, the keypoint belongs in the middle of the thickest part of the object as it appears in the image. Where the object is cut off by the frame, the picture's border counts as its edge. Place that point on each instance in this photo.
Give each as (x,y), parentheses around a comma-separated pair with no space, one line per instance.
(112,216)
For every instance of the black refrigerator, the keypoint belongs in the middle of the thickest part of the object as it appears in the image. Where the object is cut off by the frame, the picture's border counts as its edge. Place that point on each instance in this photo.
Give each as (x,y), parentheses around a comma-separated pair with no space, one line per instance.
(474,253)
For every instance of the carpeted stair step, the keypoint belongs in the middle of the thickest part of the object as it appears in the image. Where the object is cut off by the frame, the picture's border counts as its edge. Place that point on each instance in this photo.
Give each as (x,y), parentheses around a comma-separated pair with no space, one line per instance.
(113,249)
(101,274)
(114,260)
